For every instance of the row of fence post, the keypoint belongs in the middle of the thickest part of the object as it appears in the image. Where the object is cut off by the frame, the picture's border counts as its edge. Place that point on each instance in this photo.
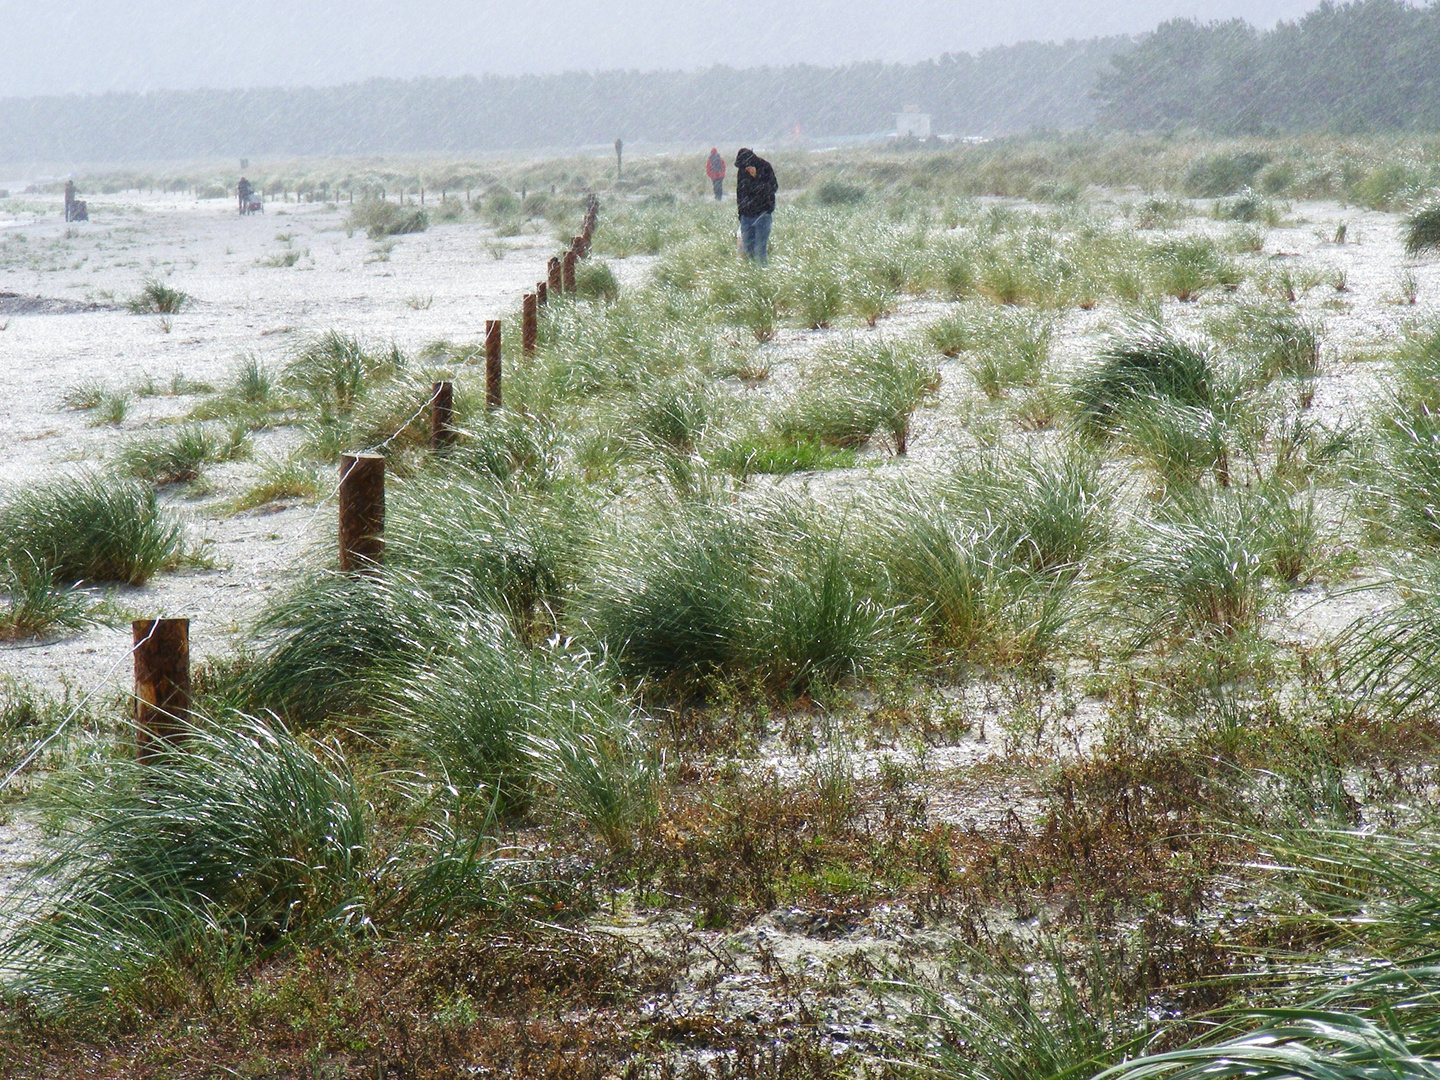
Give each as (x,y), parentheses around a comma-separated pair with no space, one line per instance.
(161,647)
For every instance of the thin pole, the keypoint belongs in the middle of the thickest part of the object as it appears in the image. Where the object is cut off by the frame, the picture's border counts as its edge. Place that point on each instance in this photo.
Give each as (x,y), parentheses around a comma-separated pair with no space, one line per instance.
(442,415)
(492,363)
(162,682)
(362,510)
(528,329)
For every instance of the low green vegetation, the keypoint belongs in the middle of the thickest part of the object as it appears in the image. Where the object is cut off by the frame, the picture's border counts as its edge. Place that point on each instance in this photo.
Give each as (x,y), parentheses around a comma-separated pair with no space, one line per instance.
(90,526)
(157,298)
(380,219)
(1050,576)
(181,455)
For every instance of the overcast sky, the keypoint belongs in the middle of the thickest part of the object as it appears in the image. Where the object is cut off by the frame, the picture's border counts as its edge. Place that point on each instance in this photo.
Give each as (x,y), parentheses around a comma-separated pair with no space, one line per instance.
(83,46)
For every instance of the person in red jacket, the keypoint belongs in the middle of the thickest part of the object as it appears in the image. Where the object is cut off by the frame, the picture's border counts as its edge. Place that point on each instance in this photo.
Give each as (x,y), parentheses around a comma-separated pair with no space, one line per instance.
(715,170)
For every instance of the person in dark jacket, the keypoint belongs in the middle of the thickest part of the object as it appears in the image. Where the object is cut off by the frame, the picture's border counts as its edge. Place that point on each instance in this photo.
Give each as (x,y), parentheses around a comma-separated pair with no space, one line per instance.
(715,170)
(755,187)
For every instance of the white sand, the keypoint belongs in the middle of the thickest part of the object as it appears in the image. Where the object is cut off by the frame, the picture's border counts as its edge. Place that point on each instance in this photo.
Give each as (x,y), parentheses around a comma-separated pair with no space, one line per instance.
(205,248)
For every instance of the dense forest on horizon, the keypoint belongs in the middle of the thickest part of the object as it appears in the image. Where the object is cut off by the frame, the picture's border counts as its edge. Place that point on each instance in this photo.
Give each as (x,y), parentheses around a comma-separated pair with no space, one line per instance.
(1017,88)
(1369,66)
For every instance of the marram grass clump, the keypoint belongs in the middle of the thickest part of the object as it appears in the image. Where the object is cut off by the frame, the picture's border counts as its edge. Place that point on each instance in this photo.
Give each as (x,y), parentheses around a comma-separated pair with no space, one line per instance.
(157,298)
(1422,231)
(90,526)
(234,837)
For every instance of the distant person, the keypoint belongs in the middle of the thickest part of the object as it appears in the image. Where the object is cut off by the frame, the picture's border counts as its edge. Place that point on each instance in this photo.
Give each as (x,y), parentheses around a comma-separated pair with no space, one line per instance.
(75,209)
(244,190)
(715,170)
(755,187)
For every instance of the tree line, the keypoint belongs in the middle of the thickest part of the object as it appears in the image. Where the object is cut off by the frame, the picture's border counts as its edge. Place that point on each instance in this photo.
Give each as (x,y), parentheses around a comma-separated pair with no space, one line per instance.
(1368,66)
(1011,89)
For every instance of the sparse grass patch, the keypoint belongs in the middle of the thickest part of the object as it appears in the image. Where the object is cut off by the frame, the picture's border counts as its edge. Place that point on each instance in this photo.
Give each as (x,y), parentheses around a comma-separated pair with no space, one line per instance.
(281,260)
(335,370)
(35,607)
(181,456)
(1282,341)
(279,480)
(779,456)
(1187,267)
(382,219)
(157,298)
(1006,348)
(86,395)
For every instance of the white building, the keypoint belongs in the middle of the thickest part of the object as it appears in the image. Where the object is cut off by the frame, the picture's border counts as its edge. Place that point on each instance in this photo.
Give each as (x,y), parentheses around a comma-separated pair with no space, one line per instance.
(912,124)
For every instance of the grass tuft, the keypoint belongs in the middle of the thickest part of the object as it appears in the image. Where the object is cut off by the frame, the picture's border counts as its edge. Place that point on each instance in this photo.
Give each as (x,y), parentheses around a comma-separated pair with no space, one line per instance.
(858,388)
(91,526)
(335,370)
(181,456)
(35,607)
(380,219)
(1422,231)
(1148,361)
(230,840)
(157,298)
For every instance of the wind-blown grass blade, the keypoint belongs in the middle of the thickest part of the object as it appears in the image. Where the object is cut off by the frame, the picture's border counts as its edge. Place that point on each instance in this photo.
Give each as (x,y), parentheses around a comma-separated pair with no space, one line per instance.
(232,838)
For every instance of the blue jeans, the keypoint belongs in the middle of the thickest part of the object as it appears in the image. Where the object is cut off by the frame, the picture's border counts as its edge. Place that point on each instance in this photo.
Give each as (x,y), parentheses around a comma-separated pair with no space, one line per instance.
(719,182)
(755,236)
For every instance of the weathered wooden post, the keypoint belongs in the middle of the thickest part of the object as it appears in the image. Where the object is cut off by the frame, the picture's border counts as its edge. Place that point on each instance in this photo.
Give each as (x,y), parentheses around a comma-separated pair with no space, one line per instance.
(542,293)
(568,271)
(553,270)
(442,415)
(362,510)
(528,330)
(162,682)
(492,363)
(580,246)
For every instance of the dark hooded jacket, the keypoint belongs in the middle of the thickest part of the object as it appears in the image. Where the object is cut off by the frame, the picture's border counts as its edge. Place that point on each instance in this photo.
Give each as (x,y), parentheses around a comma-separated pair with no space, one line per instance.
(754,194)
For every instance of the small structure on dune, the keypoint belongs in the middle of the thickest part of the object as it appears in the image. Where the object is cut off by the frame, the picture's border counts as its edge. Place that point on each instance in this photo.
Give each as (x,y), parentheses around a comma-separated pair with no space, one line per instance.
(912,123)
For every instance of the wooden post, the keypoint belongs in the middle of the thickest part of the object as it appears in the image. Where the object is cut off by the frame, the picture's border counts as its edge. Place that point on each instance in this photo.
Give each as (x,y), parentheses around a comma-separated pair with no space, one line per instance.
(568,271)
(162,681)
(442,415)
(492,363)
(542,293)
(362,510)
(553,270)
(528,330)
(579,245)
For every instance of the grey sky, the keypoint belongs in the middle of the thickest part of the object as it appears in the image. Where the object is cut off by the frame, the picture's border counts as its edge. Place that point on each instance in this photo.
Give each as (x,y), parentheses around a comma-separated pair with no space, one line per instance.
(82,46)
